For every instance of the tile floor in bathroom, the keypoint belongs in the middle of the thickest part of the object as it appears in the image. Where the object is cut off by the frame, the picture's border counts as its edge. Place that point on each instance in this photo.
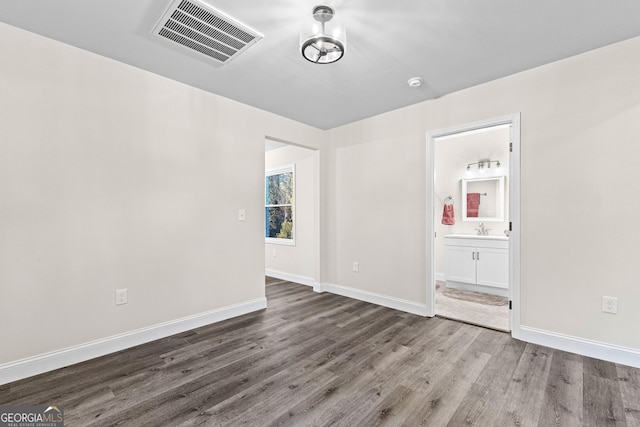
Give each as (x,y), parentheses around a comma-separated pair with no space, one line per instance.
(467,310)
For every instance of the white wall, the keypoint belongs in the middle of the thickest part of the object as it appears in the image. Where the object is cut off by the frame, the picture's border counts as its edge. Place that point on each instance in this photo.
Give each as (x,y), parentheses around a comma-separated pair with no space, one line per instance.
(298,260)
(452,155)
(112,177)
(578,168)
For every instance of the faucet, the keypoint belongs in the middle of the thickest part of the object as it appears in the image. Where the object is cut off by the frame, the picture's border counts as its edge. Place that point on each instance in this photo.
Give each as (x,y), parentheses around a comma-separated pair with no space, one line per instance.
(482,231)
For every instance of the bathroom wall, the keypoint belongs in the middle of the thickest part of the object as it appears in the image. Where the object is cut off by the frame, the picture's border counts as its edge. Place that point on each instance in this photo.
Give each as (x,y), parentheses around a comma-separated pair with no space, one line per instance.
(296,262)
(452,155)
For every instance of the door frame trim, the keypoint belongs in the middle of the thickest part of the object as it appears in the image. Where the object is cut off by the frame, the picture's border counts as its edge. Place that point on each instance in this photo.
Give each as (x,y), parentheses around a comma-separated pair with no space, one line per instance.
(514,209)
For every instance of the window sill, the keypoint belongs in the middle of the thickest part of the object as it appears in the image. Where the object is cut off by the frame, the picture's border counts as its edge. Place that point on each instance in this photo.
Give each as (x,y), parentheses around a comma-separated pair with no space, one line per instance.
(275,241)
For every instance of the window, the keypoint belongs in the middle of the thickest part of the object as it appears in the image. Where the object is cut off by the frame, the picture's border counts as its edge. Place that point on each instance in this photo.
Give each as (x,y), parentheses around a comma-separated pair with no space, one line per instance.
(279,206)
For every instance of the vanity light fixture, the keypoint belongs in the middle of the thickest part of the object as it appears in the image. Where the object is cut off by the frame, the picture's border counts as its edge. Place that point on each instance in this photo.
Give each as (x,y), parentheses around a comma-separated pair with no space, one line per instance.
(481,165)
(323,39)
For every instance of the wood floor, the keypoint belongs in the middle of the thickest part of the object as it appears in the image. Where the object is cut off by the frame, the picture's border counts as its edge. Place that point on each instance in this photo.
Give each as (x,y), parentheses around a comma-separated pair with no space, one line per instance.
(321,359)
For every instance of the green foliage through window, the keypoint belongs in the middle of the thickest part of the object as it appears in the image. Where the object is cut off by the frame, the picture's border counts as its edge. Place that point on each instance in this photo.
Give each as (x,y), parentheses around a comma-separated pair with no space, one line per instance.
(279,204)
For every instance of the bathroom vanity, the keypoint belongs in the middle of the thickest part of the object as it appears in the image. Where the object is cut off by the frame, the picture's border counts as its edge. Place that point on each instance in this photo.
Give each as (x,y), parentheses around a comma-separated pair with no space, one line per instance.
(477,263)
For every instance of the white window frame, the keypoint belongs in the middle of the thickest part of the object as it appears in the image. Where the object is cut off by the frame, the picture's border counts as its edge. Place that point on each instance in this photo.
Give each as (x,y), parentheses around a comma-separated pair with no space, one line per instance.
(280,170)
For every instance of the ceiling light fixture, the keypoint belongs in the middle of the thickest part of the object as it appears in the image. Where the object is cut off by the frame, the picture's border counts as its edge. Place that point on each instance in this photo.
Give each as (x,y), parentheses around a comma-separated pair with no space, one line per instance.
(323,39)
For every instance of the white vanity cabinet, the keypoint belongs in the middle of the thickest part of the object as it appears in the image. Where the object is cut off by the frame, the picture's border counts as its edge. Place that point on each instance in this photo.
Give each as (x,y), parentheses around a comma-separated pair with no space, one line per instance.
(477,263)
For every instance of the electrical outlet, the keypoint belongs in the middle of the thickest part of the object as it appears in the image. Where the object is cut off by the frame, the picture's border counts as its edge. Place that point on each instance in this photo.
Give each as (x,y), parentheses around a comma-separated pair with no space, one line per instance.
(275,253)
(356,267)
(121,296)
(610,305)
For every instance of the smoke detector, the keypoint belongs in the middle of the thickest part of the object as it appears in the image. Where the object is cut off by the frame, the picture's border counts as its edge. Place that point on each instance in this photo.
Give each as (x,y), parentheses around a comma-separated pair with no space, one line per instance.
(415,81)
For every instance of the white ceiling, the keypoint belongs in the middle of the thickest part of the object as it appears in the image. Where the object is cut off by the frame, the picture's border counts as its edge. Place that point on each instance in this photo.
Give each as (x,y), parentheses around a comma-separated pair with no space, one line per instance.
(452,44)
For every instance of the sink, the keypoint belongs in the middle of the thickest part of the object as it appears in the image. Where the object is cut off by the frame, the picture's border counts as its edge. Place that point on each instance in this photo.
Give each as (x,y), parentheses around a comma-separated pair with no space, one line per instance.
(475,236)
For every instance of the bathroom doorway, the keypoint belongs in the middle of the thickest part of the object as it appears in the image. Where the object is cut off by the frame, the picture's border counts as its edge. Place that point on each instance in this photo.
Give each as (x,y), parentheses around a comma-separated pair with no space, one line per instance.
(474,200)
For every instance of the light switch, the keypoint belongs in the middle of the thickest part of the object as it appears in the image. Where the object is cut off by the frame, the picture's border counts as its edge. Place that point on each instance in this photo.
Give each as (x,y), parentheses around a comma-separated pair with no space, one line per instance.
(241,215)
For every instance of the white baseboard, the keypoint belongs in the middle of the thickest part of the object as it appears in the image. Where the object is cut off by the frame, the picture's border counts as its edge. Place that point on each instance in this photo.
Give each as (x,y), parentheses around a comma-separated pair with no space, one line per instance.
(595,349)
(35,365)
(303,280)
(319,287)
(383,300)
(439,277)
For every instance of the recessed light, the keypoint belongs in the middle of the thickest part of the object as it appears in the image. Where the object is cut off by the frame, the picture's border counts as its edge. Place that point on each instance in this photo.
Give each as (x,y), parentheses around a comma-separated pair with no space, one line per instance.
(415,81)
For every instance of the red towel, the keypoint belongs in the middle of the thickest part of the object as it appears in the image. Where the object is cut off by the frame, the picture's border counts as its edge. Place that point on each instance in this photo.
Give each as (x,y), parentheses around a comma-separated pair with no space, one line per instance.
(448,217)
(473,203)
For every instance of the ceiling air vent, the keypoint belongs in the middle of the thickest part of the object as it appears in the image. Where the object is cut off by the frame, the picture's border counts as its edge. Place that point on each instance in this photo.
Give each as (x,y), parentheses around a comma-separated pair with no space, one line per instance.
(199,29)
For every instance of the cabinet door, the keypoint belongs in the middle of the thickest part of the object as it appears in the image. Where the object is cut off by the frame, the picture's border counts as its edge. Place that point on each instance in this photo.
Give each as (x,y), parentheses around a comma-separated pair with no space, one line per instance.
(460,264)
(493,267)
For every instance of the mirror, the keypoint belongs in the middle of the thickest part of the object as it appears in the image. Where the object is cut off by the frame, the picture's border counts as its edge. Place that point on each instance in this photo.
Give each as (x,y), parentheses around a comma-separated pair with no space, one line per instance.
(483,199)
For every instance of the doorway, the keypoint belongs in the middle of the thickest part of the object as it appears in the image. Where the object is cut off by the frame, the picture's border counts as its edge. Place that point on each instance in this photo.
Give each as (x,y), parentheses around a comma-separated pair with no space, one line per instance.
(292,240)
(475,249)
